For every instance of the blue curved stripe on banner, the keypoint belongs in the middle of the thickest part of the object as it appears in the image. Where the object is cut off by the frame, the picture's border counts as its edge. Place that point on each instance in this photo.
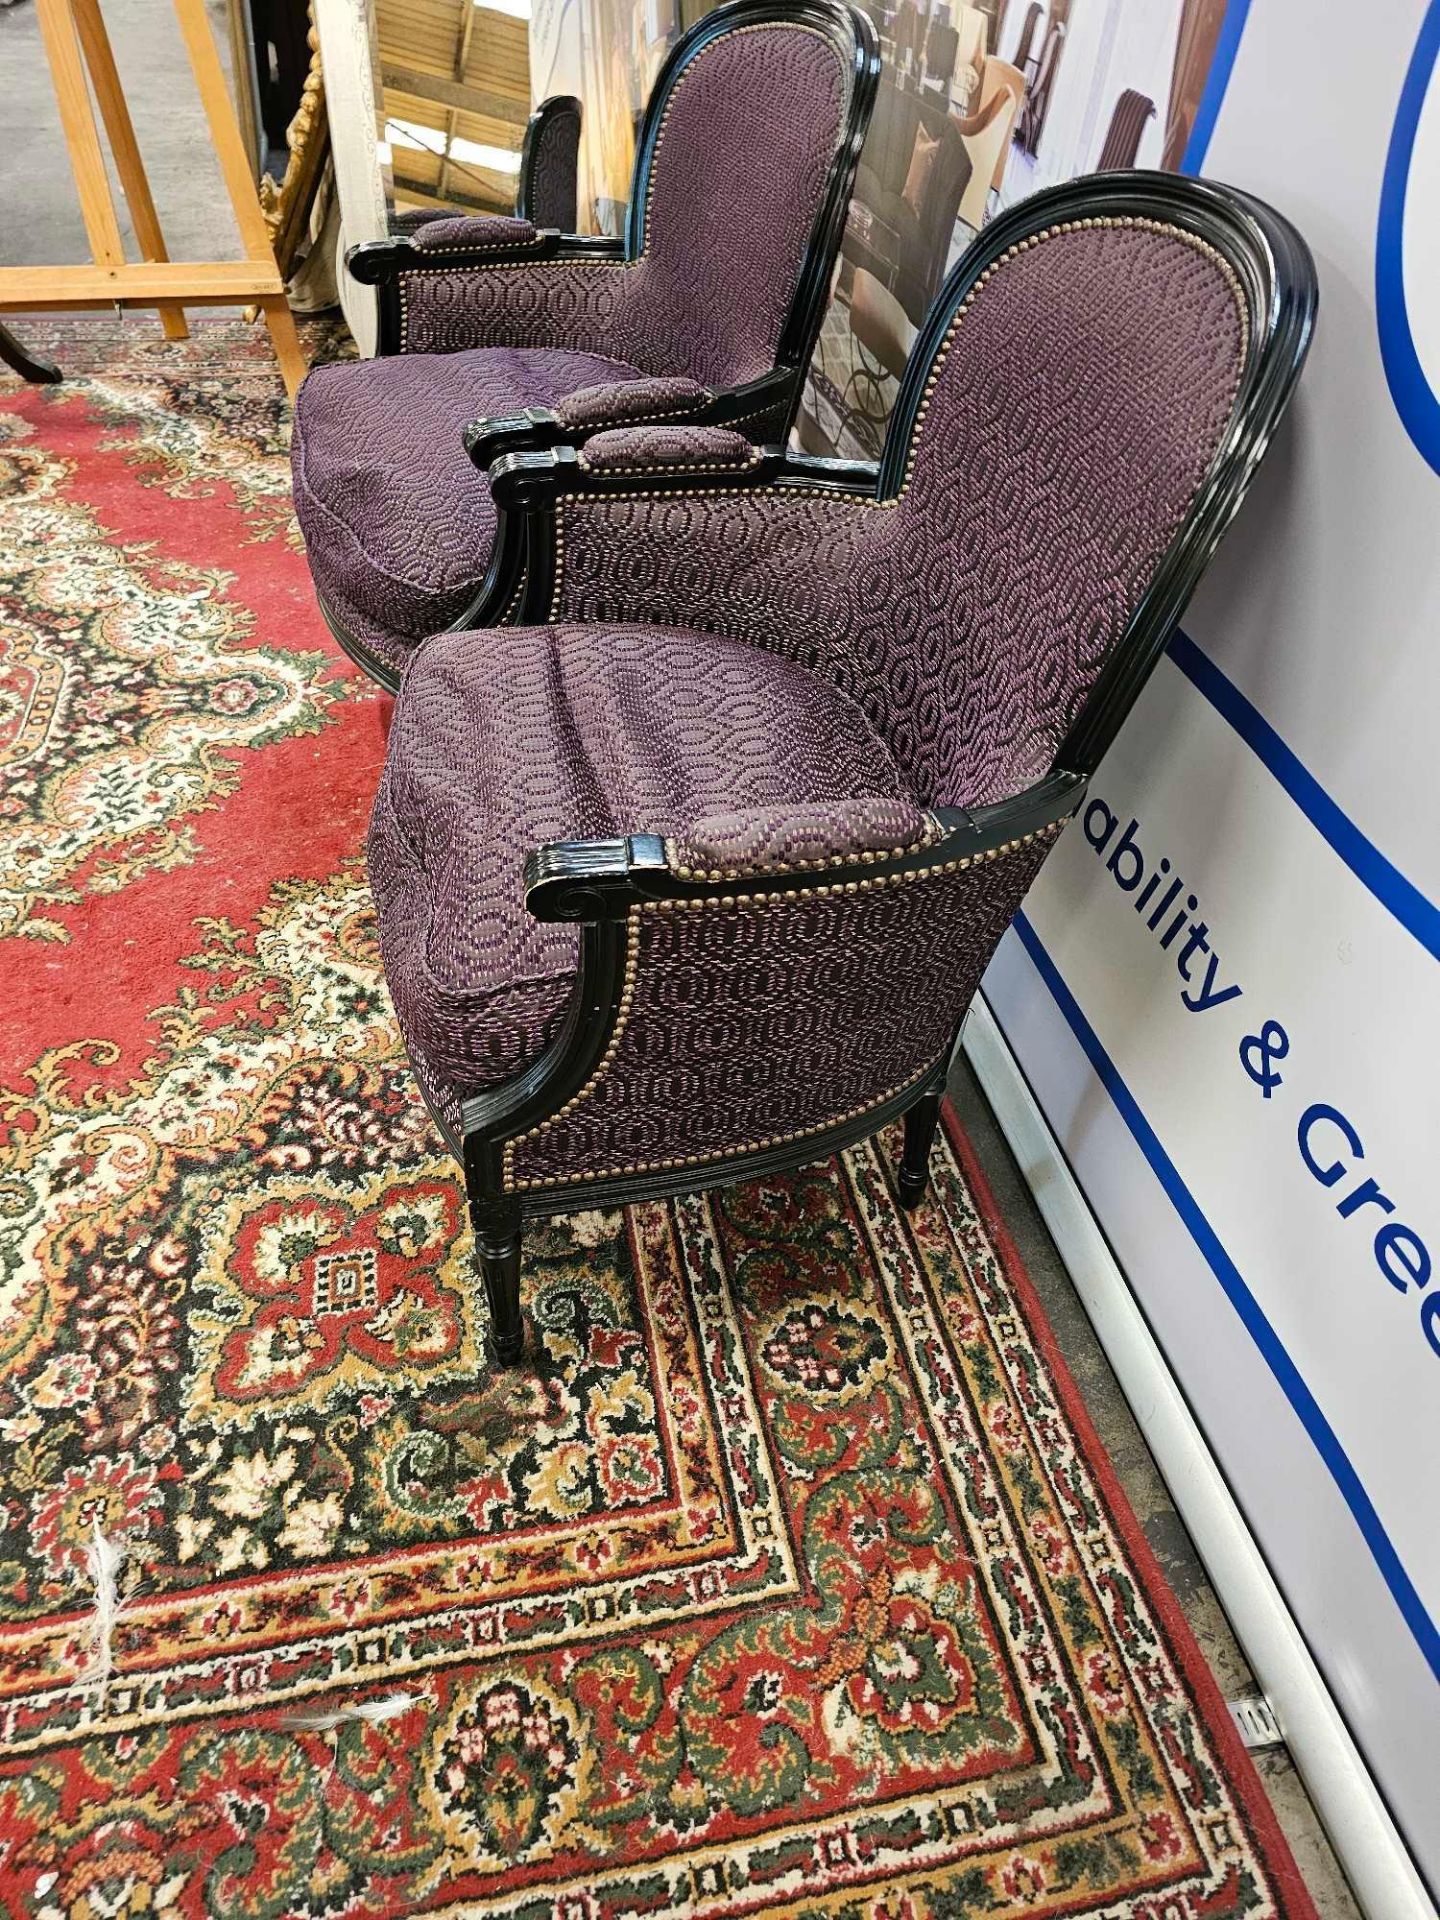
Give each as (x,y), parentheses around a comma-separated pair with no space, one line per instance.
(1415,399)
(1287,1375)
(1216,81)
(1420,410)
(1418,914)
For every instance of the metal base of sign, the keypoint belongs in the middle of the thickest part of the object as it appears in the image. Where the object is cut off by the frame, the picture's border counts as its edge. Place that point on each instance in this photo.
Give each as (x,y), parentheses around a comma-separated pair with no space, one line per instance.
(1365,1839)
(1256,1722)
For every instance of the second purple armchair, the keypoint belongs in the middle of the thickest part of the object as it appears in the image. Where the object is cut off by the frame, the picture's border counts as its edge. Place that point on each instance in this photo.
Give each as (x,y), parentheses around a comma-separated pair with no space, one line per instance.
(515,338)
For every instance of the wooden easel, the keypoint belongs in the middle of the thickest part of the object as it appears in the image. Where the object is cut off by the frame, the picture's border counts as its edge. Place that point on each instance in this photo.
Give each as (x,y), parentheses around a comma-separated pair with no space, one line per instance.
(75,38)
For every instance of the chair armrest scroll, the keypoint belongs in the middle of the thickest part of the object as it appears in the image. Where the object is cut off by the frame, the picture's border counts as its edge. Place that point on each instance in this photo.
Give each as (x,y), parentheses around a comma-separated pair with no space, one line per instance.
(376,262)
(651,401)
(591,880)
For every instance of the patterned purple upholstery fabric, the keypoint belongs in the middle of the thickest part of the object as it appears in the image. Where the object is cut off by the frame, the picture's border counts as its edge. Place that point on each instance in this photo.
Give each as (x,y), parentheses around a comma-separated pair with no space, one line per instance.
(473,230)
(770,839)
(668,450)
(510,738)
(750,1024)
(1074,415)
(398,522)
(739,175)
(630,402)
(553,161)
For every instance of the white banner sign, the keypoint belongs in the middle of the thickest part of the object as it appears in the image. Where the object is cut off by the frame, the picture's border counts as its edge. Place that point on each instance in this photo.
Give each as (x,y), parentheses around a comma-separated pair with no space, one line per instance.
(1226,987)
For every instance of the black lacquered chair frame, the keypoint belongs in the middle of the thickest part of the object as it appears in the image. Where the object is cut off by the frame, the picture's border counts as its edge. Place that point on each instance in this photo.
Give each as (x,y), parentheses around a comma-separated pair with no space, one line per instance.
(600,885)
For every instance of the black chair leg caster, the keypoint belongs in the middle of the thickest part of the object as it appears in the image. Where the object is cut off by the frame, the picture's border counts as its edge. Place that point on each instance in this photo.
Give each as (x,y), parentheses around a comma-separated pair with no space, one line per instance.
(914,1175)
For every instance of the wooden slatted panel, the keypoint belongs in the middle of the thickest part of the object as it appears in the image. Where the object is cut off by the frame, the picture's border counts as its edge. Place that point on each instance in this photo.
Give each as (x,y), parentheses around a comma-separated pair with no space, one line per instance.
(500,54)
(425,37)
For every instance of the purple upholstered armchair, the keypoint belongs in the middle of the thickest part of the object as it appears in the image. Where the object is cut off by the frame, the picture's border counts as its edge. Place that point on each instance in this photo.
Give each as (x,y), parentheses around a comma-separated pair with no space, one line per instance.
(496,335)
(692,874)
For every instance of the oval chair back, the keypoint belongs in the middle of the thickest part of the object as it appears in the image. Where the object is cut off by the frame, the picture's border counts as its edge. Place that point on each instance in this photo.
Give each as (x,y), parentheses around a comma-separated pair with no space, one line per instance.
(1075,428)
(743,172)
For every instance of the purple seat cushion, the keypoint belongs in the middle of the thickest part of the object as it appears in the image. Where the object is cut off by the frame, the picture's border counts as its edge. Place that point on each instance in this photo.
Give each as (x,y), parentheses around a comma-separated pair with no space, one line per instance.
(509,738)
(398,521)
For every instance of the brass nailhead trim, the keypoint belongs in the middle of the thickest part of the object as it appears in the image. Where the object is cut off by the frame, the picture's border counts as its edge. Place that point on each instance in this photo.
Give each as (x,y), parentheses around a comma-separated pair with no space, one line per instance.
(732,901)
(503,245)
(1163,227)
(624,266)
(512,605)
(727,466)
(708,1159)
(868,857)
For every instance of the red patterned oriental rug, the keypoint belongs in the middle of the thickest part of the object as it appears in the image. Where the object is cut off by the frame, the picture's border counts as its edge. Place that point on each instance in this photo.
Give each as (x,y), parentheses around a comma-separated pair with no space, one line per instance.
(790,1579)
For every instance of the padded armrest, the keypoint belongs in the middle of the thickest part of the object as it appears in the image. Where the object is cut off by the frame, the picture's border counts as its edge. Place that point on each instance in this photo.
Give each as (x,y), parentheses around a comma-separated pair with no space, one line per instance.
(468,232)
(621,403)
(588,410)
(585,880)
(652,401)
(728,846)
(669,450)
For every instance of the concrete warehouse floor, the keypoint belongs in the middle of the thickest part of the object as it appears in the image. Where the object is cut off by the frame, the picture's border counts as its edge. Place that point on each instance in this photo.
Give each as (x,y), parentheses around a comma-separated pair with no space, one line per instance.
(40,222)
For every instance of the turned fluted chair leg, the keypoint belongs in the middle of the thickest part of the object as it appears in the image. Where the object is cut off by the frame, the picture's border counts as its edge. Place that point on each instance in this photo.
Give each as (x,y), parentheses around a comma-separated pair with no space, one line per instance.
(497,1252)
(920,1124)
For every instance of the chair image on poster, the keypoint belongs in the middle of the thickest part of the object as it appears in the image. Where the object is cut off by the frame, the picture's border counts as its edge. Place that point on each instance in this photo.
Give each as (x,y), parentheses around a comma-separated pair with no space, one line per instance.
(987,137)
(1025,46)
(1037,102)
(1127,126)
